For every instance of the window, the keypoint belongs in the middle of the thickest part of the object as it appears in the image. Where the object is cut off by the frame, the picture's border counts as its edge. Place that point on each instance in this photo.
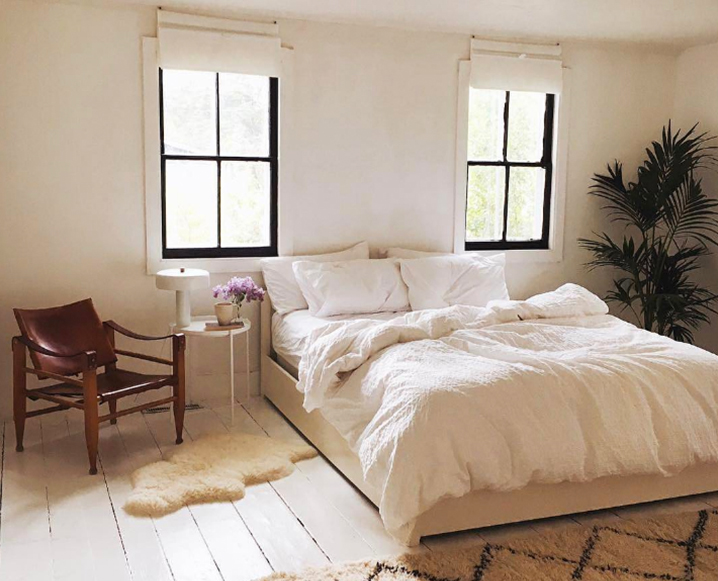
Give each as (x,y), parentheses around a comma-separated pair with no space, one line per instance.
(219,164)
(509,170)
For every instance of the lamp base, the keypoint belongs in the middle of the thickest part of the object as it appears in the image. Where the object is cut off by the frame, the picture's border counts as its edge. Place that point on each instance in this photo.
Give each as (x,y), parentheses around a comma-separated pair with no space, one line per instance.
(183,316)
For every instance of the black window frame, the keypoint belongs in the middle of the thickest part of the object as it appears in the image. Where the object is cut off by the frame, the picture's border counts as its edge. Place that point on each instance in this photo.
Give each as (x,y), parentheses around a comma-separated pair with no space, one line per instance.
(546,163)
(272,159)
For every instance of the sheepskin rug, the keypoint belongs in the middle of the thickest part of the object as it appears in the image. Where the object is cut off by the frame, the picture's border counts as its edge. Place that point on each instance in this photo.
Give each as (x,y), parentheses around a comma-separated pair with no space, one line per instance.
(211,469)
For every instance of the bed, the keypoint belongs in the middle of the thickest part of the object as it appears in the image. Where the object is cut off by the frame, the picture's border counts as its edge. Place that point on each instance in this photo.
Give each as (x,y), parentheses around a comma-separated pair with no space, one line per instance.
(284,341)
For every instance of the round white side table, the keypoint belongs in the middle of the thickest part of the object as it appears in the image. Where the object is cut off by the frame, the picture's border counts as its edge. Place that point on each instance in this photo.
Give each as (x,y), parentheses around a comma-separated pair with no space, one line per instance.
(198,328)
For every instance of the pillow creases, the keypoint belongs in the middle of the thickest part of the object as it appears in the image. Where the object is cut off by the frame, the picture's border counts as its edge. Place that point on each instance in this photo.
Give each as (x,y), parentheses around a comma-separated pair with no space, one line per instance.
(281,283)
(442,281)
(352,287)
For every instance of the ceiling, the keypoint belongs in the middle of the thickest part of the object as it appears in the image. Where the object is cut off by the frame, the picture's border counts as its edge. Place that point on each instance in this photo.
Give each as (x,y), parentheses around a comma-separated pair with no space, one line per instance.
(670,22)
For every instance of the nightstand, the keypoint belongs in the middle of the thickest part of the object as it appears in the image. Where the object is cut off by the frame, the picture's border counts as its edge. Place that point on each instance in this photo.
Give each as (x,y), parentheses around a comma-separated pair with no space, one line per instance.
(199,328)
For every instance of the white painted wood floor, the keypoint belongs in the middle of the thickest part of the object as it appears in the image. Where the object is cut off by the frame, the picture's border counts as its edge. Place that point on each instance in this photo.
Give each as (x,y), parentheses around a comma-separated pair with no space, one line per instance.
(59,523)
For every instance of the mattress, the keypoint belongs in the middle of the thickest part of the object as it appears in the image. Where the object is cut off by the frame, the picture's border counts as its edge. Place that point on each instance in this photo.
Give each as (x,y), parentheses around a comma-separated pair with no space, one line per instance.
(291,331)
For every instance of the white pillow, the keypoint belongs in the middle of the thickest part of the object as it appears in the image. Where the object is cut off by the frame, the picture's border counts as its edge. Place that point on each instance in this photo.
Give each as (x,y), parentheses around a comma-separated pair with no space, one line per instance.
(442,281)
(352,287)
(282,286)
(408,253)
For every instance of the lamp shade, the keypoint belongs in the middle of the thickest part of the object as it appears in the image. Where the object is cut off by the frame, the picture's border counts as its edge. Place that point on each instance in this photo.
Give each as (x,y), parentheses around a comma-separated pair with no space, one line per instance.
(182,279)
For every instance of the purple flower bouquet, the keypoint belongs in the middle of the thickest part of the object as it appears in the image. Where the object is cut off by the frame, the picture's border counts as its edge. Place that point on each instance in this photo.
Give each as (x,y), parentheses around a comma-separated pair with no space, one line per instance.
(236,291)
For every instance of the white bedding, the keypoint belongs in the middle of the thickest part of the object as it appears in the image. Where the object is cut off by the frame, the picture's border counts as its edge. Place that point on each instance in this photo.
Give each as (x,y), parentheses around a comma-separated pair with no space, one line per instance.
(443,402)
(290,331)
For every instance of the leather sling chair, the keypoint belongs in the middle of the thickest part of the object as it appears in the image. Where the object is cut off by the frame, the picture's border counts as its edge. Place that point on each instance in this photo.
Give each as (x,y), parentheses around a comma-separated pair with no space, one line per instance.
(68,344)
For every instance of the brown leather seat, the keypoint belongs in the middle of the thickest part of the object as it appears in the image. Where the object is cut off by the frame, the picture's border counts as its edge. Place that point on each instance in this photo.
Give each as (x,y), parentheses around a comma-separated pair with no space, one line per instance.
(71,340)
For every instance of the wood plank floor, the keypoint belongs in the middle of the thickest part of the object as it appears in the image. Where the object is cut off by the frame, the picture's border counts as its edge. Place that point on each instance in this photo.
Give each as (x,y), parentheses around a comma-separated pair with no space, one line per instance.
(59,523)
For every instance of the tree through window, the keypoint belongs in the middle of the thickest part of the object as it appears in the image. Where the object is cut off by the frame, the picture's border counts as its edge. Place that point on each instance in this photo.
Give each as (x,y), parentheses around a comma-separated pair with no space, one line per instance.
(509,169)
(219,161)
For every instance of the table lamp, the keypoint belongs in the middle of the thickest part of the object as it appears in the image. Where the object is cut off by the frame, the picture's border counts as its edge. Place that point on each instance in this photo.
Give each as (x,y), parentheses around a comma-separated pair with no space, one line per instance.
(182,281)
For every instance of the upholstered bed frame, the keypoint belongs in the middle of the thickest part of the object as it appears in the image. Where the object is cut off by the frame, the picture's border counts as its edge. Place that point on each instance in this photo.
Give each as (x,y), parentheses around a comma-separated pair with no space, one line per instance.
(476,509)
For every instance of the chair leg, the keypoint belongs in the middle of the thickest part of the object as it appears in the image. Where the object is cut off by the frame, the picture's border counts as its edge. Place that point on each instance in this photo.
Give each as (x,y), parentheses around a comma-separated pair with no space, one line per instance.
(92,433)
(91,436)
(19,415)
(19,404)
(92,412)
(113,410)
(178,347)
(178,409)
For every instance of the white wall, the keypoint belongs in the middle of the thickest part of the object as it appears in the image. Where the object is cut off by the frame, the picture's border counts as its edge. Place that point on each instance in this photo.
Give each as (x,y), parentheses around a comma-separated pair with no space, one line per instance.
(697,102)
(375,115)
(375,112)
(697,87)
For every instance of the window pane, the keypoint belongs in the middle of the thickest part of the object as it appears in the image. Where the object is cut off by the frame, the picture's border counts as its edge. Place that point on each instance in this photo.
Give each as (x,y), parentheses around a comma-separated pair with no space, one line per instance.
(190,123)
(244,115)
(485,203)
(526,121)
(245,203)
(191,204)
(486,125)
(526,194)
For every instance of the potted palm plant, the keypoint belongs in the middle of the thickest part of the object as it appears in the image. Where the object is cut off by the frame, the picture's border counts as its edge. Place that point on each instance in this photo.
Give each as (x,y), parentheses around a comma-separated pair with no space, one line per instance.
(669,225)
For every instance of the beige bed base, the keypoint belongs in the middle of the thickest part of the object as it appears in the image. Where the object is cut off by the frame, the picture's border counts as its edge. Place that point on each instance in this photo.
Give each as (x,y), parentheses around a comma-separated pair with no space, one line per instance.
(480,508)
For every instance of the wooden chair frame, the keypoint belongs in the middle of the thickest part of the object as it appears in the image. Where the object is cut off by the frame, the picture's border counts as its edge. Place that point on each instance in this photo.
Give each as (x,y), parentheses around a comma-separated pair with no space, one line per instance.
(90,401)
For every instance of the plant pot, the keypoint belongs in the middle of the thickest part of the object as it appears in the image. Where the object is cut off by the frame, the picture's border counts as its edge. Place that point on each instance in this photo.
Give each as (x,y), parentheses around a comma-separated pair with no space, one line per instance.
(225,313)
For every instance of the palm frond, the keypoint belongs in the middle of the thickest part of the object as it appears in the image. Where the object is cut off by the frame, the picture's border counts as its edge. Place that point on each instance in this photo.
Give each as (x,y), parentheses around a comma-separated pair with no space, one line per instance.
(618,198)
(625,256)
(690,213)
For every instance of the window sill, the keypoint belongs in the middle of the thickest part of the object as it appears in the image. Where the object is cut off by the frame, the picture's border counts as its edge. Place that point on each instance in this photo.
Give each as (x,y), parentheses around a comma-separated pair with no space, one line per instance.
(213,265)
(523,256)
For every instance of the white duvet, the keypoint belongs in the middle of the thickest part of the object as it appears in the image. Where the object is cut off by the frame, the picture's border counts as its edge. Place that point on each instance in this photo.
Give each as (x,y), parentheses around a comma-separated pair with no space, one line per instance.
(442,402)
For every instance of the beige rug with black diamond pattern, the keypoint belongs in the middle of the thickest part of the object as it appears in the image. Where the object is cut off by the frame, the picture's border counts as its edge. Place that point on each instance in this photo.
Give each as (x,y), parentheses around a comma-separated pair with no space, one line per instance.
(681,547)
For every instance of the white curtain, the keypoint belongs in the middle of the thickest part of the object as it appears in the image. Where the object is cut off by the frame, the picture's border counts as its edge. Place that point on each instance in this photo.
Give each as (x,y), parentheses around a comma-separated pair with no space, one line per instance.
(200,43)
(516,67)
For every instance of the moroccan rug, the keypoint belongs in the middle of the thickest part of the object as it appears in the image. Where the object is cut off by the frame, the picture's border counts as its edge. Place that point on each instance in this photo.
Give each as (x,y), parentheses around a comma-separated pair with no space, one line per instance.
(681,547)
(213,468)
